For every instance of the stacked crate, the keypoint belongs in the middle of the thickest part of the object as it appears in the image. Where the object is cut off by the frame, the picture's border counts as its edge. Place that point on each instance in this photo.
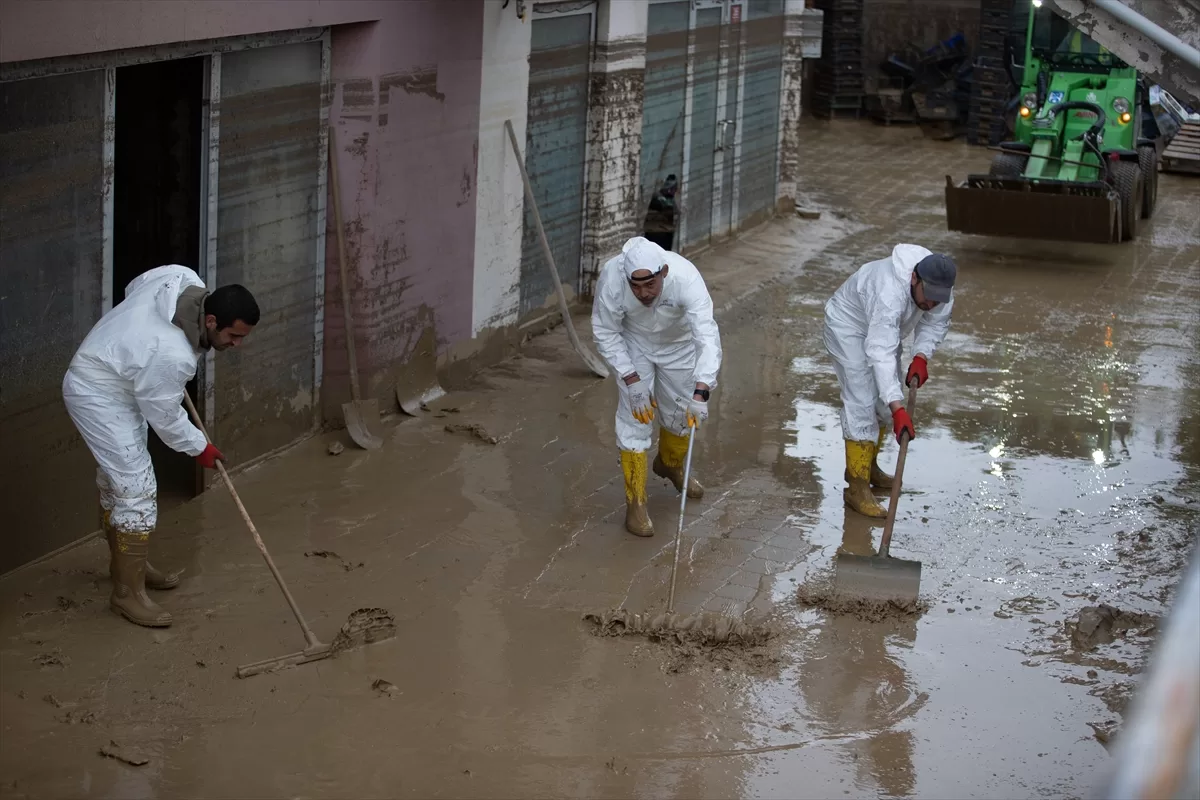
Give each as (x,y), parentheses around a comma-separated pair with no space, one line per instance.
(991,89)
(839,72)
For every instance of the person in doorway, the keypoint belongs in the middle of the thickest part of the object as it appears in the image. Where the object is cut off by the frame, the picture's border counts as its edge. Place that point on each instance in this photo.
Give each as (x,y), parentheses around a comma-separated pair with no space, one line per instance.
(652,320)
(911,291)
(132,370)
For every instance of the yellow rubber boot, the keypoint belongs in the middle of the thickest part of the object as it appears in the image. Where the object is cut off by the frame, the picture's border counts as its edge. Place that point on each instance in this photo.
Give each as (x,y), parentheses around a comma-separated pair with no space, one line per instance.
(858,468)
(155,578)
(672,452)
(637,516)
(879,478)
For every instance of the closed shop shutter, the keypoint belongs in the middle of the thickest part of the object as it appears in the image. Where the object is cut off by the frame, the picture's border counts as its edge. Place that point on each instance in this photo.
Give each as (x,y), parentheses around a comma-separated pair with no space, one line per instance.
(267,202)
(52,180)
(760,113)
(663,107)
(555,152)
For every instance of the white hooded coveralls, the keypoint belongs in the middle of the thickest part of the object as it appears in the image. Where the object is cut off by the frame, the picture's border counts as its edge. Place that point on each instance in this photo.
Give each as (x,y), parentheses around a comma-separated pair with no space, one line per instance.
(865,322)
(672,344)
(132,369)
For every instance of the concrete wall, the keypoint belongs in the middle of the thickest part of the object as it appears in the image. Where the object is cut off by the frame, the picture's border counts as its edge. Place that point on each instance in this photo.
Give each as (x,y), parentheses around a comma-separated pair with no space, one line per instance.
(888,25)
(499,201)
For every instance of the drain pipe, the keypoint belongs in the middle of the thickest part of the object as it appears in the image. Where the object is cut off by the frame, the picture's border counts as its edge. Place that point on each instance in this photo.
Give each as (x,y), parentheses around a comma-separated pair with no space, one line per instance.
(1160,36)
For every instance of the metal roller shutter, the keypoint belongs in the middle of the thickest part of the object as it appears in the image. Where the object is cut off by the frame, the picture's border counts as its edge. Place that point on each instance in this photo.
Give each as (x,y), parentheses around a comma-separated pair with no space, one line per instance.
(760,113)
(664,102)
(555,152)
(267,190)
(52,181)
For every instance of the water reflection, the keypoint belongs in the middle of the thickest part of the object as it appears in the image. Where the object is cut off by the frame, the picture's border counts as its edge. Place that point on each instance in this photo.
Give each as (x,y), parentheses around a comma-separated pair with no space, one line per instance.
(859,684)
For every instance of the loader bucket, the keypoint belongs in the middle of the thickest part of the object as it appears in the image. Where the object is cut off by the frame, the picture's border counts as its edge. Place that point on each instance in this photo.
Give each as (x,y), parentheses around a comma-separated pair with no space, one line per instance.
(1021,208)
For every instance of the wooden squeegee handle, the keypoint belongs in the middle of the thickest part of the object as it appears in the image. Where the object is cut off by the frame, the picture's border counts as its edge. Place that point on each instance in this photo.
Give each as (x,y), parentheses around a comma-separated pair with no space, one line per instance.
(309,636)
(885,541)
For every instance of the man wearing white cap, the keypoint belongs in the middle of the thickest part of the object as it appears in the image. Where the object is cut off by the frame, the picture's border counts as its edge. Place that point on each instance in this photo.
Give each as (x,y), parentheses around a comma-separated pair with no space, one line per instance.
(652,320)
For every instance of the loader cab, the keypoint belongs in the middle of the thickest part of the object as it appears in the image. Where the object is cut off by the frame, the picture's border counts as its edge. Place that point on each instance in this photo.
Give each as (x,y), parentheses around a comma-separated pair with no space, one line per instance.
(1058,45)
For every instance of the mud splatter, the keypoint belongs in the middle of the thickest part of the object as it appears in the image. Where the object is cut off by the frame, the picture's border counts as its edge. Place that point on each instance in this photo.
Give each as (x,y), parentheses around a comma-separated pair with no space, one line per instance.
(332,556)
(474,429)
(129,755)
(828,599)
(715,639)
(365,626)
(1102,624)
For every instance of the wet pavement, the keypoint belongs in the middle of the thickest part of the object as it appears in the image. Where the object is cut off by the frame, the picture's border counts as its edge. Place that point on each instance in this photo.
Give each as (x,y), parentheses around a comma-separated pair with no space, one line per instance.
(1057,467)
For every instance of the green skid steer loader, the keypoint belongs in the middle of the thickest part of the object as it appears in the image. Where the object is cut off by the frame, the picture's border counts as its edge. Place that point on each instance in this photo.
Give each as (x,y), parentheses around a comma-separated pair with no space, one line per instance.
(1079,169)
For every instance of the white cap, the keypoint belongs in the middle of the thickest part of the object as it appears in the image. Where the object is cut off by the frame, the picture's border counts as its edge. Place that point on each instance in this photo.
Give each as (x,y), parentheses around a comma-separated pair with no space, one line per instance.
(641,253)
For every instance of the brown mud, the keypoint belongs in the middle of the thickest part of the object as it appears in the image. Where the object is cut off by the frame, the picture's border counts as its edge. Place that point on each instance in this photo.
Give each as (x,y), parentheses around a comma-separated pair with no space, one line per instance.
(1056,467)
(826,598)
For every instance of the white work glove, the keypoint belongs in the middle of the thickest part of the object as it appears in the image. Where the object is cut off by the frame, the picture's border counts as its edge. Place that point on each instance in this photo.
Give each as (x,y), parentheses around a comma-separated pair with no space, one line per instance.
(697,413)
(641,402)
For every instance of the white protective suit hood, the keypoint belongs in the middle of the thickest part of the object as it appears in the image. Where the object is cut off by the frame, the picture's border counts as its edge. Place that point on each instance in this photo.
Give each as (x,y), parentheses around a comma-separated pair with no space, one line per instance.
(873,312)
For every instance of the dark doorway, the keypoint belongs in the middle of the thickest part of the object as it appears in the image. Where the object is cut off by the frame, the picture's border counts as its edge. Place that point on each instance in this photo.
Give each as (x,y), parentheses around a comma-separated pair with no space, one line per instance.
(157,195)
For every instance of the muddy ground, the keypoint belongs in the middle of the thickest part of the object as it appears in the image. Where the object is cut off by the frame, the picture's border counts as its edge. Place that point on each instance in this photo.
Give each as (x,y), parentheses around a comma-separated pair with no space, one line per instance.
(1057,469)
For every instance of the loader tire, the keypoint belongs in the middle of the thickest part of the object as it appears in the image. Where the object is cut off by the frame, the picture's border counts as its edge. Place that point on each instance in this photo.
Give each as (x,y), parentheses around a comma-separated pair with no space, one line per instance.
(1148,161)
(1127,179)
(1008,165)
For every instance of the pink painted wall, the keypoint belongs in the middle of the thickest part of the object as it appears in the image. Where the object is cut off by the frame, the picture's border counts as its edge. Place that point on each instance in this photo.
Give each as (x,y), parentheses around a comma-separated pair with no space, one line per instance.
(32,29)
(406,110)
(406,99)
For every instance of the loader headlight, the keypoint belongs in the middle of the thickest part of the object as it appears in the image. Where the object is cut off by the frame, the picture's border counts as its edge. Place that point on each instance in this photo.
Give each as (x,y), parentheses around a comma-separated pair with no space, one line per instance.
(1028,104)
(1121,105)
(1037,3)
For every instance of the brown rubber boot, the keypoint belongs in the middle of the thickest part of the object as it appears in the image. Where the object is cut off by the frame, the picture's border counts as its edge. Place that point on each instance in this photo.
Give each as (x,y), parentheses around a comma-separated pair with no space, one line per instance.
(668,463)
(155,578)
(129,598)
(858,468)
(637,516)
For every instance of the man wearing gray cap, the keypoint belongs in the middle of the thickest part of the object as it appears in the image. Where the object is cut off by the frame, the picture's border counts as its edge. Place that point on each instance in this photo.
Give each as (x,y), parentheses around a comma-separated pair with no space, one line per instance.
(868,317)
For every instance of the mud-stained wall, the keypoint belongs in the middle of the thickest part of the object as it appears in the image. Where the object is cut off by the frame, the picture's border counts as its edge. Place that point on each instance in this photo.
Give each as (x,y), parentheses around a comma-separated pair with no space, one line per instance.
(406,110)
(791,106)
(614,146)
(890,25)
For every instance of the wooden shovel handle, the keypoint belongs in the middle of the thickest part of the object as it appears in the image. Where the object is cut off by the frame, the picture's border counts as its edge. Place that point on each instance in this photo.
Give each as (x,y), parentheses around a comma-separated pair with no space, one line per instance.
(885,542)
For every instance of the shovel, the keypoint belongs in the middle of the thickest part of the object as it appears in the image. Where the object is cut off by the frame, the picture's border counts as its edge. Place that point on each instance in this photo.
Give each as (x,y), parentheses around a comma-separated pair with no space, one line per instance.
(357,413)
(883,579)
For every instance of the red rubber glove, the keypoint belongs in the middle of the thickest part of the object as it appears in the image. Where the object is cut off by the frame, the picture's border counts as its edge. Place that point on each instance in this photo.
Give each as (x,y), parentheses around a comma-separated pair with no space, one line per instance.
(209,458)
(903,424)
(918,370)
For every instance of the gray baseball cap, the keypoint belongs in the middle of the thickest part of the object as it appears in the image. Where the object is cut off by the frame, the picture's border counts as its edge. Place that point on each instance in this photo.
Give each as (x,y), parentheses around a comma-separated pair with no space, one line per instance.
(937,271)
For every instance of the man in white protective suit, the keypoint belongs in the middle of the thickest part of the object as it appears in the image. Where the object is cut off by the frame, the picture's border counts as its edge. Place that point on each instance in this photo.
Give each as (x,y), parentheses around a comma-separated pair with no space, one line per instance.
(910,292)
(132,370)
(652,320)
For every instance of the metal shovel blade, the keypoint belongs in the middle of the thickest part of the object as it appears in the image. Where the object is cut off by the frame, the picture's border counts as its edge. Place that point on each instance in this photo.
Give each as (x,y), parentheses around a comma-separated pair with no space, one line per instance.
(417,381)
(879,579)
(356,416)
